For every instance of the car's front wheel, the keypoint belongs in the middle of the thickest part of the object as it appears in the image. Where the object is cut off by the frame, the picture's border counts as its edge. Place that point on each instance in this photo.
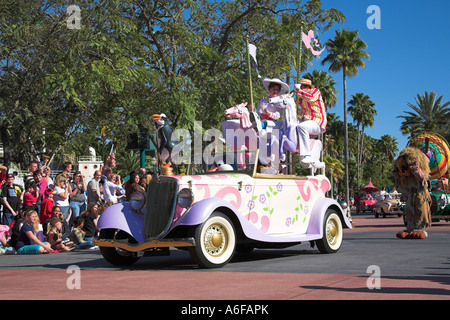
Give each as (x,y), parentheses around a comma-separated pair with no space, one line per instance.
(117,256)
(215,241)
(332,233)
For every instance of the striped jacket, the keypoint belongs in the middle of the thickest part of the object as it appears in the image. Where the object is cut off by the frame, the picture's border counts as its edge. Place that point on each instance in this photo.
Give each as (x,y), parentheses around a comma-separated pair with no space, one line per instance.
(312,107)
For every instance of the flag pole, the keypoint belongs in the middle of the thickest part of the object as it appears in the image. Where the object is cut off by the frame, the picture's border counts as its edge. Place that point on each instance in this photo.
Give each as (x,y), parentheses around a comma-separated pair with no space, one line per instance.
(300,46)
(249,71)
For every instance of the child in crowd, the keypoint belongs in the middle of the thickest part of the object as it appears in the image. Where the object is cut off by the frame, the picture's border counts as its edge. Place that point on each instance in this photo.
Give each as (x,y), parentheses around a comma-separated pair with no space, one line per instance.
(47,205)
(54,236)
(30,196)
(77,234)
(5,233)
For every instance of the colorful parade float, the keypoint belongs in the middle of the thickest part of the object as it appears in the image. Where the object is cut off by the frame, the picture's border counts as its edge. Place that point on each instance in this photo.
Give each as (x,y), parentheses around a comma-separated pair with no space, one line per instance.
(237,203)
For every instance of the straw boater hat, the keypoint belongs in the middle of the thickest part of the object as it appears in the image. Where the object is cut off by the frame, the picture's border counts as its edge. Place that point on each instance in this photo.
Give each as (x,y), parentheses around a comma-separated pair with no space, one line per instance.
(306,82)
(284,87)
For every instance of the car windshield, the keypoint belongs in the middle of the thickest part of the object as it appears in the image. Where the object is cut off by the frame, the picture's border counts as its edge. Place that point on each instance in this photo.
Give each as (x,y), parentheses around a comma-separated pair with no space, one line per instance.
(232,161)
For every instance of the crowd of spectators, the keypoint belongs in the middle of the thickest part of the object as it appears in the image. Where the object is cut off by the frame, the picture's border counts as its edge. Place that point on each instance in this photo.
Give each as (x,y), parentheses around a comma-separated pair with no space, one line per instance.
(60,215)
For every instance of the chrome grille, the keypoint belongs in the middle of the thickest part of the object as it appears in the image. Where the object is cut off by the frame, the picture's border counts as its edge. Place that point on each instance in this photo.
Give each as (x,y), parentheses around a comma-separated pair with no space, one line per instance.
(160,207)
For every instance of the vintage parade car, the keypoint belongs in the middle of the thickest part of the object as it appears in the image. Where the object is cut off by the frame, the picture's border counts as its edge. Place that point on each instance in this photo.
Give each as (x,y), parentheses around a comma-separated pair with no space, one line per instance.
(217,213)
(367,203)
(440,206)
(392,204)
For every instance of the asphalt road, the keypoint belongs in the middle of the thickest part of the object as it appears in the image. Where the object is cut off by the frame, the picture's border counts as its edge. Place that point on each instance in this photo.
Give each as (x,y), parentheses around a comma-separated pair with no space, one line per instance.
(370,255)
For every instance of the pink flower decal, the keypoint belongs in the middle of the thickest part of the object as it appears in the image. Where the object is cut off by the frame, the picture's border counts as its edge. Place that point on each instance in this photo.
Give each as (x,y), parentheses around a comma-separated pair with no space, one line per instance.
(251,204)
(248,188)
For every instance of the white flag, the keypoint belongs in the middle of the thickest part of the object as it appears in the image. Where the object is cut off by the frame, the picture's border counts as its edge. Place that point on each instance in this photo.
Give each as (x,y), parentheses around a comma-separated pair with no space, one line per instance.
(252,52)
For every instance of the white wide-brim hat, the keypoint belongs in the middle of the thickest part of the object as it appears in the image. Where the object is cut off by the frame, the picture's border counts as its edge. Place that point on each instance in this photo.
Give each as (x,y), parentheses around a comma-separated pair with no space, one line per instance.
(284,87)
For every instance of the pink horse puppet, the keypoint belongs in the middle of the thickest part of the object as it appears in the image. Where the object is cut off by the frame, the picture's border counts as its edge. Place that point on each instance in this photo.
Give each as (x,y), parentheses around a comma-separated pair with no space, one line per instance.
(244,137)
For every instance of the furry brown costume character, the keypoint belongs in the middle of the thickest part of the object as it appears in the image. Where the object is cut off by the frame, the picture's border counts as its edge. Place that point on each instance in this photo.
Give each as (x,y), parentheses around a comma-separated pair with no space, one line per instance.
(411,172)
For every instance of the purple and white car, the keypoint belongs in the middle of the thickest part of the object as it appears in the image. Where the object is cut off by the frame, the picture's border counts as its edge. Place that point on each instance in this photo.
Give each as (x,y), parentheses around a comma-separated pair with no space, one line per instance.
(216,214)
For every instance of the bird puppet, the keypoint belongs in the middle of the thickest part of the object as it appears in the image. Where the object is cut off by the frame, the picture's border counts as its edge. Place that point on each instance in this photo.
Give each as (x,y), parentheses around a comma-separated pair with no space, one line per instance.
(164,134)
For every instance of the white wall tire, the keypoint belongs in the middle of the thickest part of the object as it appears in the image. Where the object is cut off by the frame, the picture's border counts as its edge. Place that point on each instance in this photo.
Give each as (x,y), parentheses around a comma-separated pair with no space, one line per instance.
(332,233)
(215,242)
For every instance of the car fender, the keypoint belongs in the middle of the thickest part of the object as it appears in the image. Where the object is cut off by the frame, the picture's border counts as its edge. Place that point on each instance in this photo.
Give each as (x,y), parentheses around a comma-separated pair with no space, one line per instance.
(201,210)
(318,215)
(122,217)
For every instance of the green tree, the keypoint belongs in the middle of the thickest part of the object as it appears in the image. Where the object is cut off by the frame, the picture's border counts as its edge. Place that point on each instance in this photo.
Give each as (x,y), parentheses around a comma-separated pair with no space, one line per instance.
(347,54)
(362,110)
(57,81)
(132,58)
(334,170)
(429,113)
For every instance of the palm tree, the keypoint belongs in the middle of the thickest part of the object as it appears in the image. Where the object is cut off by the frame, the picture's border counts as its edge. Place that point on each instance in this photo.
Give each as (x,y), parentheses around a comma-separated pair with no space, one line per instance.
(346,53)
(362,110)
(430,114)
(127,161)
(334,169)
(388,146)
(333,142)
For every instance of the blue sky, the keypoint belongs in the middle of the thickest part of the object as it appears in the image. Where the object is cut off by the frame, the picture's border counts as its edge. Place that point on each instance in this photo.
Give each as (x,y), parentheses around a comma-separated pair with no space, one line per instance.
(408,56)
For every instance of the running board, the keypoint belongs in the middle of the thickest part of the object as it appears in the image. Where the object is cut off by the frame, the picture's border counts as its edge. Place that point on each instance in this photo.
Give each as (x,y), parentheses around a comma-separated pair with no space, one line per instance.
(135,247)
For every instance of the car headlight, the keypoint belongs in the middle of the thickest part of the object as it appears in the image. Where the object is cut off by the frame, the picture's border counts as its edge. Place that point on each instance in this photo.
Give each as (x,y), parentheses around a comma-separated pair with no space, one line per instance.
(137,200)
(185,198)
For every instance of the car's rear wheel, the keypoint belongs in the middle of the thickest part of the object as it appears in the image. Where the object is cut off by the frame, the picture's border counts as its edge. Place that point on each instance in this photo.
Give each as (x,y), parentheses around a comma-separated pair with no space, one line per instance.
(332,233)
(215,241)
(117,256)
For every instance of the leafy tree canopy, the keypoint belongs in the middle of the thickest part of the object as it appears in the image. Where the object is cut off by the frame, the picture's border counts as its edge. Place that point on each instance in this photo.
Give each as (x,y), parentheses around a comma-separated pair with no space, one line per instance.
(59,85)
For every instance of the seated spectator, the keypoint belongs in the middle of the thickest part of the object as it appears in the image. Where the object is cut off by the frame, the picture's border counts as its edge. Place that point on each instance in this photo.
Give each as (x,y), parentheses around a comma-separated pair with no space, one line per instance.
(56,214)
(5,234)
(27,242)
(15,229)
(90,221)
(77,234)
(54,236)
